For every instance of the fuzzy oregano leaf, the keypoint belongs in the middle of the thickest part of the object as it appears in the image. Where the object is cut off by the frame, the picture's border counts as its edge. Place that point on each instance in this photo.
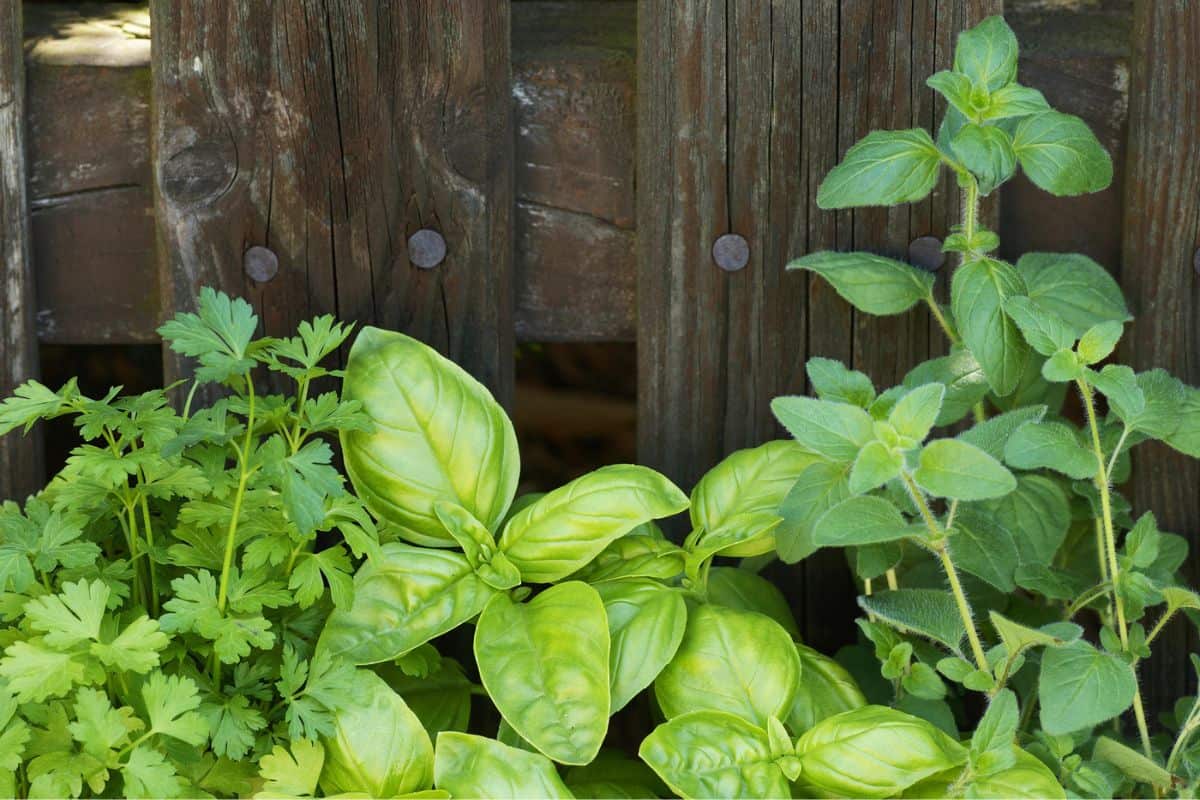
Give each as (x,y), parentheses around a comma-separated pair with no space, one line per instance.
(871,283)
(960,471)
(987,54)
(978,292)
(1081,687)
(1061,155)
(882,169)
(987,151)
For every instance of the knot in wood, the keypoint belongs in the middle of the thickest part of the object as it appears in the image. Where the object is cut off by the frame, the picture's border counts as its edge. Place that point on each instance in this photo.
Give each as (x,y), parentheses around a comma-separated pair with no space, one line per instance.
(261,263)
(426,248)
(198,173)
(926,252)
(731,252)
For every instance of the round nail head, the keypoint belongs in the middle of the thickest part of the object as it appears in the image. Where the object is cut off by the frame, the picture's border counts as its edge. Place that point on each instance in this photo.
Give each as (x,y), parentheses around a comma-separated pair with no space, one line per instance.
(926,252)
(426,248)
(731,252)
(261,263)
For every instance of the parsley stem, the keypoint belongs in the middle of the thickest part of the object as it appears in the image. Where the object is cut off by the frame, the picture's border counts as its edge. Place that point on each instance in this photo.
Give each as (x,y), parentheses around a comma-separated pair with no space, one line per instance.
(1110,541)
(149,557)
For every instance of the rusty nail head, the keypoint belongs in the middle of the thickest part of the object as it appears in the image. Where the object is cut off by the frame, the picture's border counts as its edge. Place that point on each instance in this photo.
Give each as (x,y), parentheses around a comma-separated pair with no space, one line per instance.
(731,252)
(426,248)
(261,263)
(926,252)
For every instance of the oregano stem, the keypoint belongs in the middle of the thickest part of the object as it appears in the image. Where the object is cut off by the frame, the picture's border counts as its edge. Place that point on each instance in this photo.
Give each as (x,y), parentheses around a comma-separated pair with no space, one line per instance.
(937,543)
(1110,537)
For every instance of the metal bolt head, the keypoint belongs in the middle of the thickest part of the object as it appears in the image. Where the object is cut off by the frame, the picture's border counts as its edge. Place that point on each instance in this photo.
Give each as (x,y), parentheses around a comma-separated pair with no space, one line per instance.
(731,252)
(261,263)
(926,252)
(426,248)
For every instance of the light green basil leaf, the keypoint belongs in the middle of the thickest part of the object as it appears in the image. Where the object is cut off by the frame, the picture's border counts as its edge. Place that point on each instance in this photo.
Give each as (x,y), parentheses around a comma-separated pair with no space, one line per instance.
(563,530)
(378,746)
(860,520)
(871,283)
(545,665)
(472,766)
(741,589)
(882,169)
(987,54)
(734,661)
(1073,287)
(738,500)
(1054,445)
(832,380)
(437,434)
(963,378)
(986,151)
(478,545)
(615,776)
(955,469)
(873,751)
(978,292)
(644,552)
(1027,779)
(835,431)
(955,87)
(441,700)
(402,600)
(1015,100)
(825,689)
(646,621)
(1061,155)
(915,414)
(984,548)
(992,434)
(1037,514)
(818,489)
(876,465)
(1080,687)
(1045,331)
(927,612)
(1099,341)
(706,754)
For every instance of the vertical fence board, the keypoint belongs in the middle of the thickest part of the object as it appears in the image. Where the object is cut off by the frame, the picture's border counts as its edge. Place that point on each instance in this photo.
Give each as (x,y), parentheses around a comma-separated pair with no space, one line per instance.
(20,458)
(330,133)
(1159,273)
(743,108)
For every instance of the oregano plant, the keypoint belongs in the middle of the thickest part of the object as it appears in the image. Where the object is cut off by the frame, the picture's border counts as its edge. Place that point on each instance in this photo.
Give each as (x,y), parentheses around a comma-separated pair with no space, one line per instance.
(985,496)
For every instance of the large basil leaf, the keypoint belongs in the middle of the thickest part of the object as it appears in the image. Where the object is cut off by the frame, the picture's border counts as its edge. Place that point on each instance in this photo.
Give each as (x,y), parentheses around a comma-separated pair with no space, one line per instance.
(706,754)
(403,599)
(472,766)
(646,621)
(882,169)
(545,665)
(1080,687)
(987,54)
(1074,288)
(437,434)
(378,746)
(1027,778)
(734,661)
(738,499)
(441,700)
(873,284)
(642,553)
(565,529)
(978,291)
(615,775)
(742,589)
(874,751)
(1060,154)
(825,689)
(835,431)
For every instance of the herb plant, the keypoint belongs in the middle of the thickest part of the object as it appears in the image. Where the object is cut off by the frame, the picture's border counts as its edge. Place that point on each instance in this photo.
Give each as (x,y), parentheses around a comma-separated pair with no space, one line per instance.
(198,605)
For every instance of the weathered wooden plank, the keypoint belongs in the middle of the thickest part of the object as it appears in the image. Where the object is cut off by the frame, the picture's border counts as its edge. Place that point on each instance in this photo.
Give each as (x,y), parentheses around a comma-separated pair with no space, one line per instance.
(330,133)
(21,468)
(1161,236)
(743,108)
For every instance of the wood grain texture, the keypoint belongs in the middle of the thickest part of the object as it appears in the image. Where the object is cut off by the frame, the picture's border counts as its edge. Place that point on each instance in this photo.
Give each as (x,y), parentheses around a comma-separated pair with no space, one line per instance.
(742,109)
(330,132)
(21,468)
(1161,235)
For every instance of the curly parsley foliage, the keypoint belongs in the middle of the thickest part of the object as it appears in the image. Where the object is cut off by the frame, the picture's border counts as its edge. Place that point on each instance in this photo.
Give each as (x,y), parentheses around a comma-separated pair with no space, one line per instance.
(163,594)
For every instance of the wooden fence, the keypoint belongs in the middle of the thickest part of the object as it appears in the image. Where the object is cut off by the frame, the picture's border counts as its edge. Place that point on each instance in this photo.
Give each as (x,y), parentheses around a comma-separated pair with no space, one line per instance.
(317,156)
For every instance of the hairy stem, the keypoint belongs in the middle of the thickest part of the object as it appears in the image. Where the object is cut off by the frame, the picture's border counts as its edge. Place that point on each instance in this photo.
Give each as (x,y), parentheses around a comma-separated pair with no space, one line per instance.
(937,543)
(1110,542)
